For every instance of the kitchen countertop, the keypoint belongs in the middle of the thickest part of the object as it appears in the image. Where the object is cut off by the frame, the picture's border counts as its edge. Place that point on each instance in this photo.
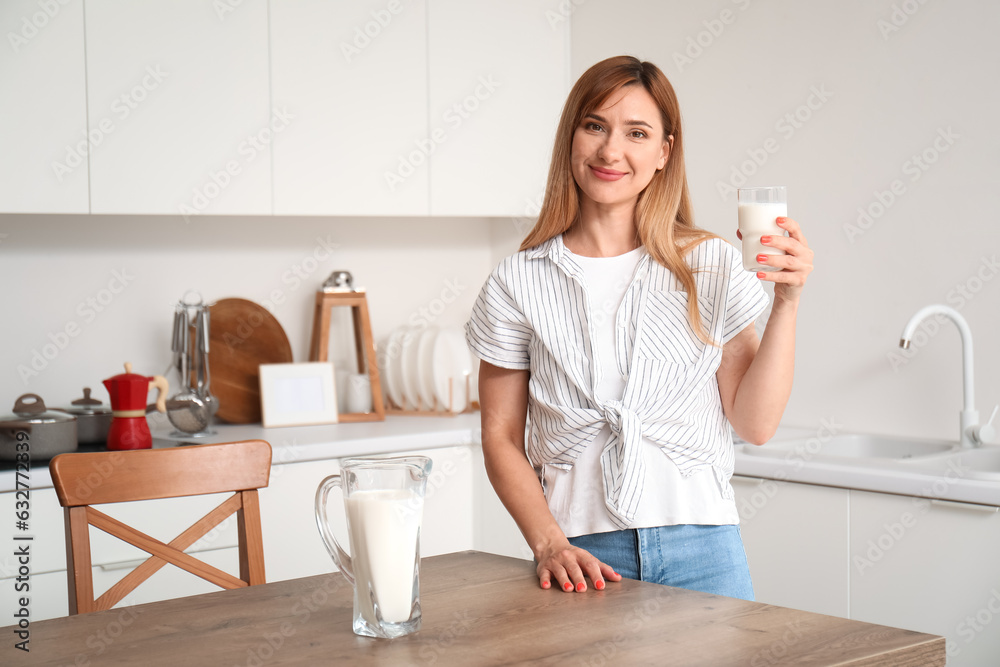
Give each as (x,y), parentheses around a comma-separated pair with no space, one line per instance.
(295,444)
(404,433)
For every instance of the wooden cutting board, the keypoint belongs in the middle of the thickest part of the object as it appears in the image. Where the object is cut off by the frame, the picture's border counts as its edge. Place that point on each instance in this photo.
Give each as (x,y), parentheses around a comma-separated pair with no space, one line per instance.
(242,335)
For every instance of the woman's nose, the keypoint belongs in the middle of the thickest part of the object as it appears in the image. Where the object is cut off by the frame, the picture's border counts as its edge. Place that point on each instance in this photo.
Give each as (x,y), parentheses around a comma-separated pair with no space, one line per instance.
(611,148)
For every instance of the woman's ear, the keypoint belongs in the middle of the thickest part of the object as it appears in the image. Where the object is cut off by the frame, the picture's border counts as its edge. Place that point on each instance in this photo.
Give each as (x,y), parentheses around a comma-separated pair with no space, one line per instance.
(667,145)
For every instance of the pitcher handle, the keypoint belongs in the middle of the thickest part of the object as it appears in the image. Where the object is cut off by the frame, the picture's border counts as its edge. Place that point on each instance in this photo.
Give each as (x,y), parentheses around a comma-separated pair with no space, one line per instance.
(340,557)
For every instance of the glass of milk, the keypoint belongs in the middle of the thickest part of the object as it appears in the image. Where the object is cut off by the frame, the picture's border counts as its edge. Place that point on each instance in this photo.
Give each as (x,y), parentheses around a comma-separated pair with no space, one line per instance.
(384,503)
(758,208)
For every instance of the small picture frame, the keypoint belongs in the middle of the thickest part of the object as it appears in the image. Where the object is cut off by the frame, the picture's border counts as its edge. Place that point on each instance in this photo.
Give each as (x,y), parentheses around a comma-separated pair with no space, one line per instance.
(298,394)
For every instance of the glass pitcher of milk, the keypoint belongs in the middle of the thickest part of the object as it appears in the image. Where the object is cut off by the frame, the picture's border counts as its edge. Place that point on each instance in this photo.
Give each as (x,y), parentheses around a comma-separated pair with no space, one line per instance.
(384,502)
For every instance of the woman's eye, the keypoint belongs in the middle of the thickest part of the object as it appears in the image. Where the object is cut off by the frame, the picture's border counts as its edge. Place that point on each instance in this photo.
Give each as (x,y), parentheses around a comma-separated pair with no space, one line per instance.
(638,134)
(594,127)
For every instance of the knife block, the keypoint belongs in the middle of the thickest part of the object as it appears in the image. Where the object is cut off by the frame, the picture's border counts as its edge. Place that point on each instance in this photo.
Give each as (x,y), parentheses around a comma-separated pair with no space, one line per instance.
(364,345)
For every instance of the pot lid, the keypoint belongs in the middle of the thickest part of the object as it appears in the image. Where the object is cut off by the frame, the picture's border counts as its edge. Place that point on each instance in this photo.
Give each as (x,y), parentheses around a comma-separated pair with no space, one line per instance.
(30,408)
(87,406)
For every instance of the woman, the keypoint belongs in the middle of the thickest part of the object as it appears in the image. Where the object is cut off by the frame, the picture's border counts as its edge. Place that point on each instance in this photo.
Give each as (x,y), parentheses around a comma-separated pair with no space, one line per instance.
(627,334)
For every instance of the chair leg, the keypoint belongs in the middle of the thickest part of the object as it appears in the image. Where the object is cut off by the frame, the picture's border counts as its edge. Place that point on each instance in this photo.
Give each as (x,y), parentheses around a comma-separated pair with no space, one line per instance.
(251,539)
(80,581)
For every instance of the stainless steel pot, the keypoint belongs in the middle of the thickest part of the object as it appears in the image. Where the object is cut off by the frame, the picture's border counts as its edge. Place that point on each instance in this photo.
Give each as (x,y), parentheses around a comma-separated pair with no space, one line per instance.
(93,419)
(32,429)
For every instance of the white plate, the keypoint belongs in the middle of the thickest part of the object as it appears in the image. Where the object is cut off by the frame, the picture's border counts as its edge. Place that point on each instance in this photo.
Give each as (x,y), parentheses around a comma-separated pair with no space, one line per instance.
(425,366)
(451,361)
(393,375)
(409,370)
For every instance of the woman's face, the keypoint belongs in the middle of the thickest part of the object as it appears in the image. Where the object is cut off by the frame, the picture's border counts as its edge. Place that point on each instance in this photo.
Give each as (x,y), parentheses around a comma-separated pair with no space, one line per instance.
(618,148)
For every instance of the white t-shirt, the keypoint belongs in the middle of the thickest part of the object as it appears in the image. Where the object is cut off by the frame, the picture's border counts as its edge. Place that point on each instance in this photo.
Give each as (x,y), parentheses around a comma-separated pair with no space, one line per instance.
(574,495)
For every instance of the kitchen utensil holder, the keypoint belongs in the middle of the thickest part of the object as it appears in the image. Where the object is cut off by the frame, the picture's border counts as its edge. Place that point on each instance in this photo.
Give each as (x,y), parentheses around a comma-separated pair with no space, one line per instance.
(437,409)
(364,345)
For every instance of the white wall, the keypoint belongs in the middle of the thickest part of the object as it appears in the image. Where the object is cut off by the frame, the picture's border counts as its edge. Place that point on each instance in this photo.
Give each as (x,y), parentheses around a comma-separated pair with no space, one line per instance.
(50,265)
(889,97)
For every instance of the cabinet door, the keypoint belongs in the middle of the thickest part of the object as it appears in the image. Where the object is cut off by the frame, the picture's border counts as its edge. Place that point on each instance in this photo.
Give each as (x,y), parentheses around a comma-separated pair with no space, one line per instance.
(931,567)
(796,538)
(180,91)
(495,530)
(354,76)
(43,164)
(292,545)
(499,75)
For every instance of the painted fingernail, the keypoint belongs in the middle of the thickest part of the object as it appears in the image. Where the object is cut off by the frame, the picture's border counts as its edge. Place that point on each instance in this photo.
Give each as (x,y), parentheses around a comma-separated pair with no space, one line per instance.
(545,584)
(599,585)
(781,221)
(765,239)
(567,586)
(580,587)
(760,274)
(762,258)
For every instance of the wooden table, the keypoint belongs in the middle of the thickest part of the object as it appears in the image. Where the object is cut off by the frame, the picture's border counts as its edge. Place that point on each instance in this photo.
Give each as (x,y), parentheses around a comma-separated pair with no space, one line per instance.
(478,609)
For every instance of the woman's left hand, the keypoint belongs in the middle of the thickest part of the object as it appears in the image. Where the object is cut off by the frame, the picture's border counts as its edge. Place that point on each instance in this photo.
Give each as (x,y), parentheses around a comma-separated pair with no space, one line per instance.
(796,263)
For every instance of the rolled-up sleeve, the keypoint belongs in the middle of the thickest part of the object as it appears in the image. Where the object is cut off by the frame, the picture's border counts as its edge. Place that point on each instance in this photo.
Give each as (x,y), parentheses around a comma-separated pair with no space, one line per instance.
(745,296)
(497,332)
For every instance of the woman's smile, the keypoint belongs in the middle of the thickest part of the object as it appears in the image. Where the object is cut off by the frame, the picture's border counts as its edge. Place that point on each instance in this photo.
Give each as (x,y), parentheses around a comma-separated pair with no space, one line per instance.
(606,174)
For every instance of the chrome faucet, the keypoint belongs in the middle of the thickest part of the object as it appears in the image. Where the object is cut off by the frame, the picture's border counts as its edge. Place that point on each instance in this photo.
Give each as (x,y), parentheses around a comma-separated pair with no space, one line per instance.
(972,433)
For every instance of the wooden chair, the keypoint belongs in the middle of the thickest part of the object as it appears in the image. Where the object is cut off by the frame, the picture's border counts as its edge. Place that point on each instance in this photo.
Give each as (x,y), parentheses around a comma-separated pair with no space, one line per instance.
(85,479)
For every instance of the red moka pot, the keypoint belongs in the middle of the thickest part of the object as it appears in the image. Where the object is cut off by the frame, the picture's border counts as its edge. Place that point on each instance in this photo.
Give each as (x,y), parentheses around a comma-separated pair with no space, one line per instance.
(128,391)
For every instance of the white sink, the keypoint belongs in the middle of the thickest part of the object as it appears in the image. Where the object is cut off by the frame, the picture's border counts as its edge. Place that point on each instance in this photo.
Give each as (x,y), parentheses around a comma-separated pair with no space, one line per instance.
(980,463)
(854,446)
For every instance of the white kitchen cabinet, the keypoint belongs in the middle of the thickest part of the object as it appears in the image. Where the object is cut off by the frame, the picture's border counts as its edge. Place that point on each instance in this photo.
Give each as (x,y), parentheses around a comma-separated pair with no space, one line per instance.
(292,545)
(499,75)
(796,539)
(49,591)
(931,567)
(180,91)
(43,164)
(495,530)
(354,77)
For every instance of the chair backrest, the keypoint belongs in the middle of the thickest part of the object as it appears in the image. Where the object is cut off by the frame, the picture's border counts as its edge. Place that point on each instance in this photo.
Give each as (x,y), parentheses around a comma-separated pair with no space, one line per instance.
(85,479)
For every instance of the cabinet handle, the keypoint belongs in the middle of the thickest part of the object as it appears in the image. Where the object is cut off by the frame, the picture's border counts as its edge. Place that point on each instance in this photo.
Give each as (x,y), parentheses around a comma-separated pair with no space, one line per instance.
(989,509)
(122,565)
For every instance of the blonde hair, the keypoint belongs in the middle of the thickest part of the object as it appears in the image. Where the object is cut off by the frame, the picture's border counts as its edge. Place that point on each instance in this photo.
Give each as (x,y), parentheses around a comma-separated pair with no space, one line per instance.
(663,218)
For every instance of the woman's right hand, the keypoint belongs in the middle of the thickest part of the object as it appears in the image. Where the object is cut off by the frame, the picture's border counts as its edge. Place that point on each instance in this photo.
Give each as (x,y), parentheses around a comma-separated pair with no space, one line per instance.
(570,567)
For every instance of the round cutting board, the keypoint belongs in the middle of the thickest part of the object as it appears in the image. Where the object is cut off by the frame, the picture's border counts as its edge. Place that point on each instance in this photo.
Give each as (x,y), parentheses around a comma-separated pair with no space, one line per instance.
(242,336)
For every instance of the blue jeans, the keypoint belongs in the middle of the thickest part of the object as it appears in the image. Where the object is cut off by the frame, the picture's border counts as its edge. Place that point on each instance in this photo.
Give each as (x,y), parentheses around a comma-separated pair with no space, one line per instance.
(703,558)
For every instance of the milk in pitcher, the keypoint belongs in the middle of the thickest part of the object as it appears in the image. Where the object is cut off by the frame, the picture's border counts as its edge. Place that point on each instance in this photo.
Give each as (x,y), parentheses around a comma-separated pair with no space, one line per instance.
(384,531)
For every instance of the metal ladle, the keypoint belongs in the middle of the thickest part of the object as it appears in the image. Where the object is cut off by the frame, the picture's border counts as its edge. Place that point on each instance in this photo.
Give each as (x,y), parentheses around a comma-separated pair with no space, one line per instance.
(186,410)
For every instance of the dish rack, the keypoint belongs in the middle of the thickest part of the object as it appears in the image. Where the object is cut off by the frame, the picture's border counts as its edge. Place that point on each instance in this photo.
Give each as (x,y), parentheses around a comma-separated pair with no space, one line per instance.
(436,409)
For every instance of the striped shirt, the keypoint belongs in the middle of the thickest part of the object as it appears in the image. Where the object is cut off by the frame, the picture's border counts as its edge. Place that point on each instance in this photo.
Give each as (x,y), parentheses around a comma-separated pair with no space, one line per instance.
(532,314)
